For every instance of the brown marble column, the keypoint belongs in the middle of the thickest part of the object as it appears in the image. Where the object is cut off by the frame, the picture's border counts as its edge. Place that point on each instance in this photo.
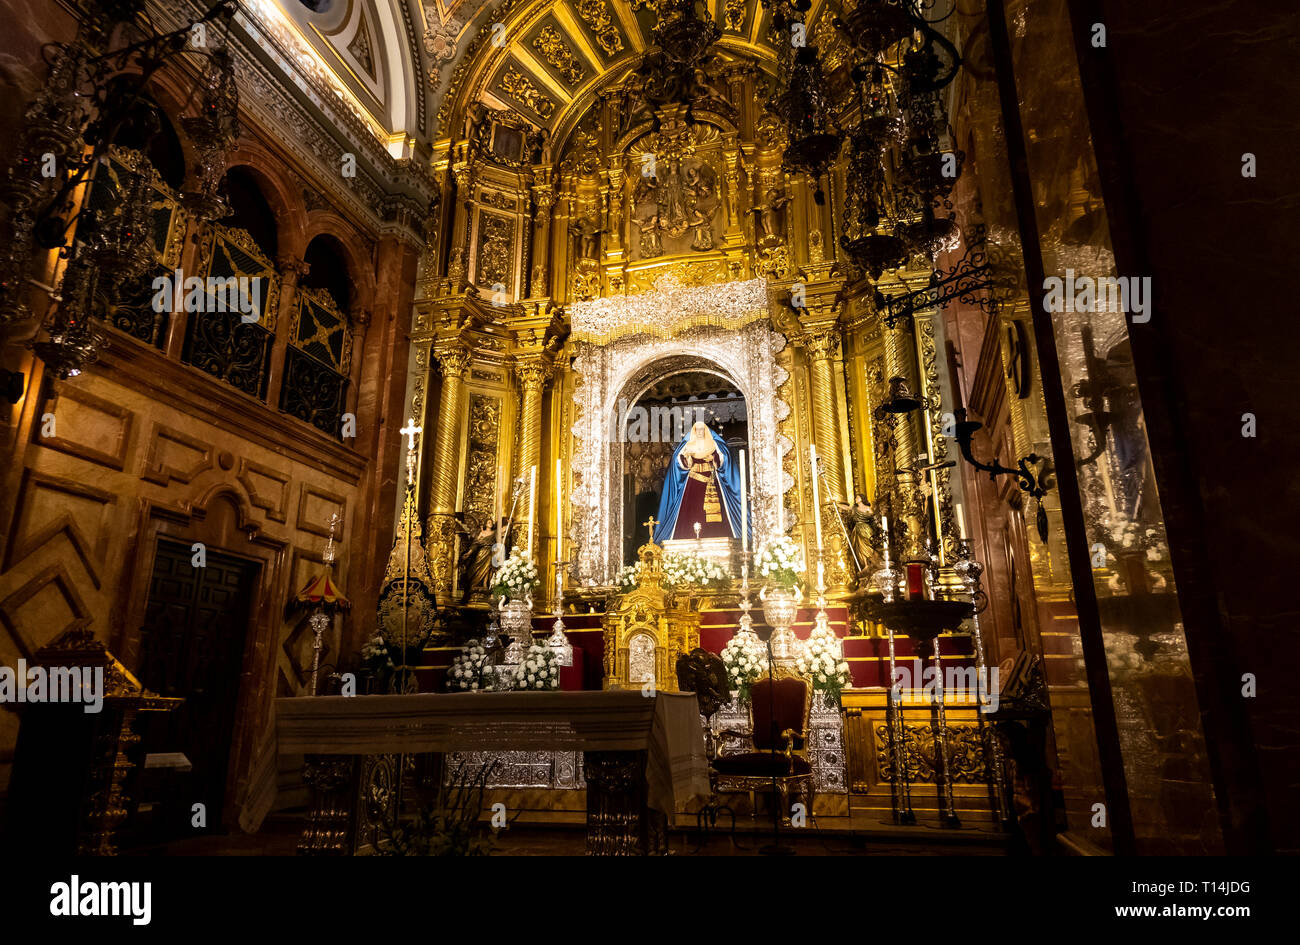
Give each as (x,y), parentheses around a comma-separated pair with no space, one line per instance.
(291,270)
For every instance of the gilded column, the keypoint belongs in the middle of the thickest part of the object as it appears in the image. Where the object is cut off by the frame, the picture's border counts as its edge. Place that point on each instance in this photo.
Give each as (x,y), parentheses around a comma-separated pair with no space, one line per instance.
(533,372)
(735,221)
(821,345)
(614,212)
(462,229)
(817,296)
(900,362)
(544,199)
(453,359)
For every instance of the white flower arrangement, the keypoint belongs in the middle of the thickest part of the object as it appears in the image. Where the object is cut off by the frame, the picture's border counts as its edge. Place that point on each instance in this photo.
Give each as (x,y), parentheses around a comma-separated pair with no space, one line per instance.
(820,661)
(539,670)
(779,562)
(745,660)
(688,570)
(375,655)
(628,577)
(471,670)
(516,578)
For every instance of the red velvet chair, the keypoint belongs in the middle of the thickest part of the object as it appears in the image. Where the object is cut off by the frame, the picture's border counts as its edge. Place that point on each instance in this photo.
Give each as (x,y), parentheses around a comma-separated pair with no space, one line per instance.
(778,715)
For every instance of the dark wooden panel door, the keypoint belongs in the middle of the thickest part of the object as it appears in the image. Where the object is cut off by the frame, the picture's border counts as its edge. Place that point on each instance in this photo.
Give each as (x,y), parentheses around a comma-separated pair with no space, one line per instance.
(192,646)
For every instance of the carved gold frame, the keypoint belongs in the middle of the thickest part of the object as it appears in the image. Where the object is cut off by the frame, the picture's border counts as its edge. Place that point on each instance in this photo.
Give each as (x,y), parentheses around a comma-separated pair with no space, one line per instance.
(624,369)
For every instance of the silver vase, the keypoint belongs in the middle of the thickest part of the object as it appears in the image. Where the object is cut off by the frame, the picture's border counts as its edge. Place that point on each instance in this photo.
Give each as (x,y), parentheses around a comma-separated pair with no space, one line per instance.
(780,609)
(517,623)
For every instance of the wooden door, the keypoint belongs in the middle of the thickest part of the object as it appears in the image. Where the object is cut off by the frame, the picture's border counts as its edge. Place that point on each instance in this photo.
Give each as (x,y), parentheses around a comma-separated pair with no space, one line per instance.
(192,646)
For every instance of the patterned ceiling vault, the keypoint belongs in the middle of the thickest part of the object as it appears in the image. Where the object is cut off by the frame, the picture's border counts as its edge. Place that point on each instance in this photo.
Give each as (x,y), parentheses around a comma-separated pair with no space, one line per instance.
(555,51)
(371,50)
(402,61)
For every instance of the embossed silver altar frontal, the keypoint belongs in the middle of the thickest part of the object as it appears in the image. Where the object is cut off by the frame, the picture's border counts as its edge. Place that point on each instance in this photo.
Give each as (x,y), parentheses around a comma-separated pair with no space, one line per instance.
(624,368)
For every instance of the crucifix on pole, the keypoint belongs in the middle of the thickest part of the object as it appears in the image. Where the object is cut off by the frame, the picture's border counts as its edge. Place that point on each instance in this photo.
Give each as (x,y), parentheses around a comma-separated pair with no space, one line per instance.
(411,431)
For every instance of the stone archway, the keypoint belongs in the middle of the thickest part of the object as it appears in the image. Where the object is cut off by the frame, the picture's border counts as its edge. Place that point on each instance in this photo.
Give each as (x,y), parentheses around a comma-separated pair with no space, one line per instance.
(620,441)
(621,370)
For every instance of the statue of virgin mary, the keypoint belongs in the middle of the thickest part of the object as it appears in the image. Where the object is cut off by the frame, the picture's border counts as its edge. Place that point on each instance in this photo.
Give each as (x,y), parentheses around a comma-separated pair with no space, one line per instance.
(702,485)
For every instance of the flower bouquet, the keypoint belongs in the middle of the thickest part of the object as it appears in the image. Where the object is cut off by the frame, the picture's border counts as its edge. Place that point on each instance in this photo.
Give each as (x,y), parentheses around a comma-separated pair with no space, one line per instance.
(779,563)
(539,670)
(820,661)
(628,577)
(744,658)
(375,658)
(516,578)
(687,572)
(471,670)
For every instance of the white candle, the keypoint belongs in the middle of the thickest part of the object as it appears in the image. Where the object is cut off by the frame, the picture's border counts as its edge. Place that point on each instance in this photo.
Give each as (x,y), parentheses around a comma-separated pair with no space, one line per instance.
(884,530)
(817,507)
(532,504)
(559,523)
(961,522)
(780,502)
(744,516)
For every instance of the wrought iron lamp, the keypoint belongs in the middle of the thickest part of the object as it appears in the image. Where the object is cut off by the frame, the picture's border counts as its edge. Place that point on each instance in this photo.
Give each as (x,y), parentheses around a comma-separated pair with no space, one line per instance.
(801,100)
(880,128)
(93,93)
(1030,480)
(1097,391)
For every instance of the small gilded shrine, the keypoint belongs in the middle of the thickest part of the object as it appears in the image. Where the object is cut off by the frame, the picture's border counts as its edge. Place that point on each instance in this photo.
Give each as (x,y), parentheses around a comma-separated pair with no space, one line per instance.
(648,629)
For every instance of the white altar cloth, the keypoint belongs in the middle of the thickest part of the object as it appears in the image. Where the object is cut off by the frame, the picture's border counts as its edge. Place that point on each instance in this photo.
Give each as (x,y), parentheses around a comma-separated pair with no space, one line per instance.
(666,726)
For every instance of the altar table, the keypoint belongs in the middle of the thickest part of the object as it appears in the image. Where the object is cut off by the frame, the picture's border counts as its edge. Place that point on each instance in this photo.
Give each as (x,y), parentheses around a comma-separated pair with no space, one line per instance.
(644,755)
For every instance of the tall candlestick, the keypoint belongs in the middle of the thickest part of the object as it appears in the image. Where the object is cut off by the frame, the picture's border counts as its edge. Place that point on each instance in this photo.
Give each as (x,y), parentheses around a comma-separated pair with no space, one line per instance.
(961,522)
(744,514)
(817,508)
(532,506)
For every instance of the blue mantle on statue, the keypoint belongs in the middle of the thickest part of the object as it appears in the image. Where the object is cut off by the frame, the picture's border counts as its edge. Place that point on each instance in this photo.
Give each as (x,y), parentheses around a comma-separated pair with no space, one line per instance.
(727,477)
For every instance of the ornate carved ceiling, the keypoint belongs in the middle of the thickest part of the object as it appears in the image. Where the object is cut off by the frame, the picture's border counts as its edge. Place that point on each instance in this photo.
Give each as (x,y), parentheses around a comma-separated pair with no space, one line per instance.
(544,59)
(373,53)
(412,68)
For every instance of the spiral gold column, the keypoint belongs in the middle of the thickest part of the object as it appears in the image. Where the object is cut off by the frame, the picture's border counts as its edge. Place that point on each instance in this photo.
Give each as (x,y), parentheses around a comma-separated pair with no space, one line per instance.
(533,372)
(826,427)
(900,361)
(820,344)
(454,361)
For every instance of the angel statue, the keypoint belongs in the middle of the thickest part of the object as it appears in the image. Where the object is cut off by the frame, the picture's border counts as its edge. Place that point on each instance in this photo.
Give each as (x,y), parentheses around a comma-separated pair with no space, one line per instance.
(769,213)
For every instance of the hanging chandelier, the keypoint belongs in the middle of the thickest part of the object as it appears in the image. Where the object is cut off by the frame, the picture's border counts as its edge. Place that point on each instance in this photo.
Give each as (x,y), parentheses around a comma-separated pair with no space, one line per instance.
(801,101)
(212,131)
(880,127)
(670,71)
(94,91)
(896,143)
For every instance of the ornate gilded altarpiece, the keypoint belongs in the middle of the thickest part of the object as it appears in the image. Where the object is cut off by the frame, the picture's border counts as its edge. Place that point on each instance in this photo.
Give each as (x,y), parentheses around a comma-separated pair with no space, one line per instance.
(722,329)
